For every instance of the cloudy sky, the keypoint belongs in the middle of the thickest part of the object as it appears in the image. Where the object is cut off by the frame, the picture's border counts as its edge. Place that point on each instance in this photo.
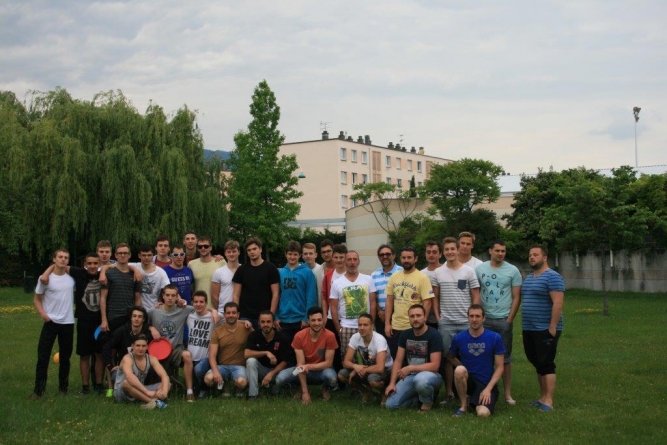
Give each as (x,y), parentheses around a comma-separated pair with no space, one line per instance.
(523,83)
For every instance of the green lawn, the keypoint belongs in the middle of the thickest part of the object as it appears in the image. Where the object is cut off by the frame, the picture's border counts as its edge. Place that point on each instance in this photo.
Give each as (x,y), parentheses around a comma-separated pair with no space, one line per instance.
(612,386)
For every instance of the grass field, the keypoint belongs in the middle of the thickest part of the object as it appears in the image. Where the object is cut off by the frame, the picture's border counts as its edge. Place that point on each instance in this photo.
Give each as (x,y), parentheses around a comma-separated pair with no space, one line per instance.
(612,388)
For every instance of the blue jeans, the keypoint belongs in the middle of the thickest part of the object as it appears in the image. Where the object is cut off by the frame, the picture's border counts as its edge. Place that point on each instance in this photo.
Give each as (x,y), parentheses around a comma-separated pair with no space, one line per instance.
(256,372)
(327,378)
(422,387)
(200,370)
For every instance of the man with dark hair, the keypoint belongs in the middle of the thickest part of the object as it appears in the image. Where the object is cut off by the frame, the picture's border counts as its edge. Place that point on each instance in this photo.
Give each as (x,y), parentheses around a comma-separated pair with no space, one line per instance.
(120,292)
(103,249)
(53,303)
(267,352)
(542,314)
(222,286)
(381,277)
(256,284)
(309,255)
(501,297)
(432,254)
(479,350)
(404,289)
(331,275)
(204,266)
(298,292)
(326,250)
(315,348)
(162,258)
(115,349)
(154,278)
(190,244)
(414,375)
(179,274)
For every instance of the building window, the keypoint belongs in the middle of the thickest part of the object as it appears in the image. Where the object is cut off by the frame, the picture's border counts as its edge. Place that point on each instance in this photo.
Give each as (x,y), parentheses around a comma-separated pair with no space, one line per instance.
(398,163)
(343,201)
(354,155)
(354,203)
(419,184)
(364,157)
(388,181)
(409,165)
(354,178)
(343,177)
(364,178)
(419,166)
(399,183)
(343,154)
(387,161)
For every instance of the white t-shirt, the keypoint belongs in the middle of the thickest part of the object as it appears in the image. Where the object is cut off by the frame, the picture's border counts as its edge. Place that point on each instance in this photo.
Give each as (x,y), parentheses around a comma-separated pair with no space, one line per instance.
(223,276)
(200,328)
(151,285)
(366,354)
(353,298)
(318,271)
(334,276)
(58,298)
(473,263)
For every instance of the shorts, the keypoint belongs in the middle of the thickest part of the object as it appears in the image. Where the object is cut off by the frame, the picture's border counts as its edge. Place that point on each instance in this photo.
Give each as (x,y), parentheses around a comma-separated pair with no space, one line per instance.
(231,372)
(505,330)
(120,396)
(85,338)
(384,377)
(448,330)
(475,388)
(540,348)
(175,358)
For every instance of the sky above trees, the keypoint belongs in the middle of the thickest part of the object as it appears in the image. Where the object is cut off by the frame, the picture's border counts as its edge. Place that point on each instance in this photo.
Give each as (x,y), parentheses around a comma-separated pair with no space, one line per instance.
(522,84)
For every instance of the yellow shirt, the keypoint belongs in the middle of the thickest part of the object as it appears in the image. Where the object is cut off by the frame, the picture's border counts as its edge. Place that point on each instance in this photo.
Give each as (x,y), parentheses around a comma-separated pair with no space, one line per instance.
(406,290)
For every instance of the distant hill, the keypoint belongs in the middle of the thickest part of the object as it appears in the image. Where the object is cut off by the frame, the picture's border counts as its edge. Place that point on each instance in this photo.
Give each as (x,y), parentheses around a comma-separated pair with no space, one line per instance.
(224,155)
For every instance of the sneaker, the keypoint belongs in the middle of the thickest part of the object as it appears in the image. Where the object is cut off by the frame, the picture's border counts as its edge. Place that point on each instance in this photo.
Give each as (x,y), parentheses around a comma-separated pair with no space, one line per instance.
(85,390)
(447,399)
(98,388)
(160,404)
(190,397)
(148,405)
(252,398)
(109,394)
(203,394)
(510,401)
(34,397)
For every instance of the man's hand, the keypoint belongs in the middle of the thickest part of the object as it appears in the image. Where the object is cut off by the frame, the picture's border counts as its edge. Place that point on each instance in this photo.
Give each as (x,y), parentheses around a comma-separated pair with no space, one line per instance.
(485,397)
(104,325)
(46,318)
(248,324)
(160,393)
(381,315)
(390,388)
(360,370)
(404,372)
(218,258)
(387,330)
(276,324)
(181,302)
(552,331)
(217,377)
(305,398)
(266,381)
(272,358)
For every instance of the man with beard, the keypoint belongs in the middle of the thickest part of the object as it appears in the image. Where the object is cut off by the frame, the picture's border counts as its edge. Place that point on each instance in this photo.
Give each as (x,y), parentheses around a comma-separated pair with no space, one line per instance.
(267,353)
(381,277)
(479,350)
(204,266)
(414,375)
(432,255)
(406,288)
(542,314)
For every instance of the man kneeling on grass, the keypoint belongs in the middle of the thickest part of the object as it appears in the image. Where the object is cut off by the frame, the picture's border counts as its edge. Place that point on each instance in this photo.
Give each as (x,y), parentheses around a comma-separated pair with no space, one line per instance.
(367,361)
(479,349)
(315,347)
(134,368)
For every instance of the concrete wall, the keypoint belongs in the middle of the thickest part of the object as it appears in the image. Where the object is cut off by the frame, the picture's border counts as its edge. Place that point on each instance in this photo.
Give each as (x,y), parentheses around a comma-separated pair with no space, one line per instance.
(630,271)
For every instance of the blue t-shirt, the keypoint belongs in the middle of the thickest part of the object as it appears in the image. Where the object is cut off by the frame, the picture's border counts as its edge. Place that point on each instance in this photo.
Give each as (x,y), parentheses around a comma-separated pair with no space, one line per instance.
(496,285)
(183,279)
(536,300)
(477,354)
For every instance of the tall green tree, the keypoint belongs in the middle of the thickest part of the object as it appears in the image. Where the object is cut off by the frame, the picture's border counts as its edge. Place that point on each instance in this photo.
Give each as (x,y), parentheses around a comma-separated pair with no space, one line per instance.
(262,188)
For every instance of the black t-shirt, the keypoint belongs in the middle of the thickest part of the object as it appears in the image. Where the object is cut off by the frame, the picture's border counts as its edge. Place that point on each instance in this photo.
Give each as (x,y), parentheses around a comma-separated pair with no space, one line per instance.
(256,284)
(279,347)
(418,349)
(86,294)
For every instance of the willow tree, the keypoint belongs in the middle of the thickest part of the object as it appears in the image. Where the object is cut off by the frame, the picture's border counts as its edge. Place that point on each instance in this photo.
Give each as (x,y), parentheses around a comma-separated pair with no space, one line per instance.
(262,189)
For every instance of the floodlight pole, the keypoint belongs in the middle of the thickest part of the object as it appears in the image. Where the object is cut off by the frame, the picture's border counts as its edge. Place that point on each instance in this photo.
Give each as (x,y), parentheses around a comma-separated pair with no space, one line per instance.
(636,111)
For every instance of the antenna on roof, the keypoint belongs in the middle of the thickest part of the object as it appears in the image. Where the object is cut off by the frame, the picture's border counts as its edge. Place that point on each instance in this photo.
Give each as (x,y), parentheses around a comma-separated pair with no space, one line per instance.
(400,139)
(323,125)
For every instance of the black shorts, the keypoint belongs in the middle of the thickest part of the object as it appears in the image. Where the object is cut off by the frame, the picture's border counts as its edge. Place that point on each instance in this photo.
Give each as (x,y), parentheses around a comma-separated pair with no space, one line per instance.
(540,348)
(85,338)
(475,388)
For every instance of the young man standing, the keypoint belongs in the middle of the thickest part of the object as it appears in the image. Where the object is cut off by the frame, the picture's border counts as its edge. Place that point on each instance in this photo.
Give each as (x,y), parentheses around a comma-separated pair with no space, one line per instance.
(432,255)
(381,277)
(309,255)
(222,286)
(132,373)
(256,284)
(351,295)
(267,352)
(457,288)
(330,276)
(53,303)
(298,293)
(121,291)
(154,278)
(367,361)
(501,297)
(190,243)
(414,375)
(326,250)
(315,348)
(480,350)
(200,329)
(466,244)
(104,251)
(542,315)
(405,288)
(162,259)
(180,275)
(204,266)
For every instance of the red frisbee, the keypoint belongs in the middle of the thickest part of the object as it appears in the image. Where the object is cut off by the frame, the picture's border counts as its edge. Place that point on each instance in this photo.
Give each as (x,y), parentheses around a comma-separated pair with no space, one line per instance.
(160,348)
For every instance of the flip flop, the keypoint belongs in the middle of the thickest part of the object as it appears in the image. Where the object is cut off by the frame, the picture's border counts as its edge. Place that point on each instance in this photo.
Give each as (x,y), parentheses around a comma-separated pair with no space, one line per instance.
(510,401)
(545,408)
(458,413)
(536,403)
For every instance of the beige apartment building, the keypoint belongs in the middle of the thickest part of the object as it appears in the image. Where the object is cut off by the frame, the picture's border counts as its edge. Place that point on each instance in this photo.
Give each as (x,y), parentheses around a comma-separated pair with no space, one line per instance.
(333,166)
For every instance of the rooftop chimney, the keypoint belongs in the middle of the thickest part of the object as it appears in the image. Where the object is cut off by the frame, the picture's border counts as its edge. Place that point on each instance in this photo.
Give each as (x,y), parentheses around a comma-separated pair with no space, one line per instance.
(341,136)
(413,150)
(349,138)
(390,146)
(367,140)
(360,140)
(325,135)
(421,150)
(398,146)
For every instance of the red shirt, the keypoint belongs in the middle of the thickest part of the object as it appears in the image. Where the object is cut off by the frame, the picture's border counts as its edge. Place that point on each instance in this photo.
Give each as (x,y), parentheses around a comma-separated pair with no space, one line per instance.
(314,351)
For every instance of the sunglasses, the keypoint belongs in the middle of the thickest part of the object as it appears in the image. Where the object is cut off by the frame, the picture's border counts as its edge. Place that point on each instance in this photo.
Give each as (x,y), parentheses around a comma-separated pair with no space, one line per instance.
(178,254)
(203,246)
(386,254)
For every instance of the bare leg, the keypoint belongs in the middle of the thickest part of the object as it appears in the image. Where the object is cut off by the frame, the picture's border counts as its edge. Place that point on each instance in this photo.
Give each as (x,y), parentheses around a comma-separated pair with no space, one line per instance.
(507,380)
(188,368)
(461,381)
(548,389)
(99,368)
(449,376)
(84,367)
(135,393)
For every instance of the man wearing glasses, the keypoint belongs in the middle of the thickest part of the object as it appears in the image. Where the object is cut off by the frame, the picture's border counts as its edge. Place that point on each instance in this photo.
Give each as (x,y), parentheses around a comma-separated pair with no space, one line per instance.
(204,266)
(120,293)
(380,277)
(180,275)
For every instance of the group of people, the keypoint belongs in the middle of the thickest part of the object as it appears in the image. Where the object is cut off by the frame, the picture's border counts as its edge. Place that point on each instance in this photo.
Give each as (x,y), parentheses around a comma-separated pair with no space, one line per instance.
(399,334)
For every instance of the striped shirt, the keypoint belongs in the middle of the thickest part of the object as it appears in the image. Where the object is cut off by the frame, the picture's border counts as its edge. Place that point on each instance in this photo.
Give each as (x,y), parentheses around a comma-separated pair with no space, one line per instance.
(380,278)
(537,304)
(455,296)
